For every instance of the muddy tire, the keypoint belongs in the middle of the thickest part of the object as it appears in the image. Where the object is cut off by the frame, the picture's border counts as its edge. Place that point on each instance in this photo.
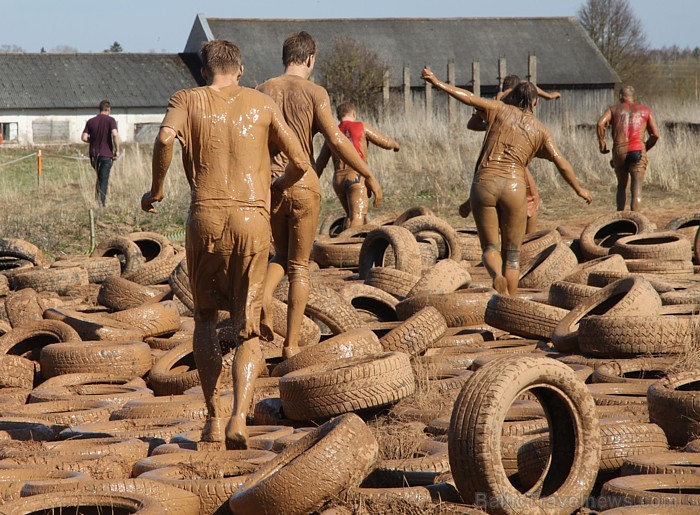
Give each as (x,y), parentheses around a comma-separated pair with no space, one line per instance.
(152,320)
(667,245)
(179,281)
(120,358)
(523,317)
(405,246)
(16,372)
(346,385)
(662,462)
(21,249)
(98,269)
(94,327)
(23,307)
(337,252)
(624,336)
(445,276)
(566,295)
(128,253)
(330,308)
(417,333)
(446,232)
(600,235)
(633,296)
(479,412)
(609,263)
(354,343)
(59,280)
(29,340)
(552,264)
(431,461)
(459,308)
(175,371)
(661,490)
(77,502)
(296,470)
(674,405)
(646,370)
(373,304)
(155,272)
(536,242)
(392,281)
(119,294)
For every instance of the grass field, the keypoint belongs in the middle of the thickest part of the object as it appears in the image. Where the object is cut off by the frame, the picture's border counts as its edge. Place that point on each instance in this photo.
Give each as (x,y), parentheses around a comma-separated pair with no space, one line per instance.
(433,168)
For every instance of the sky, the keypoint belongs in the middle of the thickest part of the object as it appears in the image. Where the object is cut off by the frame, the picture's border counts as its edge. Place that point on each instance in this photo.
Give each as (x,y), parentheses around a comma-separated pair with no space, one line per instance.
(163,26)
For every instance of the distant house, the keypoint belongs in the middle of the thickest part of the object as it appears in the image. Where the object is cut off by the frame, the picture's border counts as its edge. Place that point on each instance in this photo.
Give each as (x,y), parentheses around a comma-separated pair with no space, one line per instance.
(567,59)
(47,98)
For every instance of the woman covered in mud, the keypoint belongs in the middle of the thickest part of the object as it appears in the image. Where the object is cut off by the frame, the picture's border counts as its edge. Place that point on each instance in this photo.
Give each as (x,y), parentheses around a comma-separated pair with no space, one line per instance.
(514,137)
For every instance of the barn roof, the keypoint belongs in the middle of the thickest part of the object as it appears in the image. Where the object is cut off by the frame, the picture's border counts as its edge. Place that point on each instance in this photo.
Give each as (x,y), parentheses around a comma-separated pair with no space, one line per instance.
(565,53)
(55,81)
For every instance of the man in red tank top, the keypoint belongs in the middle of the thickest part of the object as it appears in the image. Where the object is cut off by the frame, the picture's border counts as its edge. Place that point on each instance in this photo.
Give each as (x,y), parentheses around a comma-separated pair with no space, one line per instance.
(630,121)
(348,184)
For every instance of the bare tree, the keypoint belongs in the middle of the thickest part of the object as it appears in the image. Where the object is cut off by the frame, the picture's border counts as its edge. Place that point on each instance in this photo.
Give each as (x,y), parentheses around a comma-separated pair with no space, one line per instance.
(12,49)
(351,72)
(64,49)
(616,30)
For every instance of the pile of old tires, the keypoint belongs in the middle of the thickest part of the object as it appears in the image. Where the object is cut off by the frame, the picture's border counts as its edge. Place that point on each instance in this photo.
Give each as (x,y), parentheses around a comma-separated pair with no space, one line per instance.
(418,389)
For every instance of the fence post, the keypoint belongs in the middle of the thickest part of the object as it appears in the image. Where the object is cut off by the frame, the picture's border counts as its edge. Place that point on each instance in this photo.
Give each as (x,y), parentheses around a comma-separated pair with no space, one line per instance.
(476,78)
(451,102)
(406,89)
(532,68)
(501,71)
(386,89)
(39,167)
(428,97)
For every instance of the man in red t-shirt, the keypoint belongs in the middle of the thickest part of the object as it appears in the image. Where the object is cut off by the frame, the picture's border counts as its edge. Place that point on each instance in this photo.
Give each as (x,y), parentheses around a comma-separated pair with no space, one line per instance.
(101,133)
(348,184)
(630,121)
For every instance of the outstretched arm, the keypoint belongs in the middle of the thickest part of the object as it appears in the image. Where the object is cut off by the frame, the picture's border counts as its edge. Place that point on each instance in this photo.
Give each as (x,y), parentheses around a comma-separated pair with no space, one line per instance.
(464,96)
(653,131)
(379,139)
(602,126)
(546,95)
(343,148)
(323,158)
(162,157)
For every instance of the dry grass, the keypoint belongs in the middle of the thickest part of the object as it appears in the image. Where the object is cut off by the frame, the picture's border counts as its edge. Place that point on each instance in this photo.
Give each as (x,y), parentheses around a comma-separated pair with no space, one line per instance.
(433,168)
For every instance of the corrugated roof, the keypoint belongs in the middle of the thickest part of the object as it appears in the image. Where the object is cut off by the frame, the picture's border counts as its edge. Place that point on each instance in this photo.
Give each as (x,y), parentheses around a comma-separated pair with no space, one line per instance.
(55,81)
(565,53)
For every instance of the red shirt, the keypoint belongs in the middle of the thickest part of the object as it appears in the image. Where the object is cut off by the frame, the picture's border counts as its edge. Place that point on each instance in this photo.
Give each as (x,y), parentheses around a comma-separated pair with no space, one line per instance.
(629,123)
(354,131)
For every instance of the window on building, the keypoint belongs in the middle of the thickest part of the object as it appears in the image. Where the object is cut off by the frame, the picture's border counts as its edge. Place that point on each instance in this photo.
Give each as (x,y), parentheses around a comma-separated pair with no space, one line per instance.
(9,131)
(50,131)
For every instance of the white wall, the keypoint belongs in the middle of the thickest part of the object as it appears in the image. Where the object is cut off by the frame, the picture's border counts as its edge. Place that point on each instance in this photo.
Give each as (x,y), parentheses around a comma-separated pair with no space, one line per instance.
(76,118)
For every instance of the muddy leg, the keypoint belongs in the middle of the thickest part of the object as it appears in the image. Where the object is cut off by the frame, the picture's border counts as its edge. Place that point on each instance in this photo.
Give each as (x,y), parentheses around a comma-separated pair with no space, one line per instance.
(275,273)
(637,179)
(621,196)
(207,357)
(277,267)
(357,201)
(247,364)
(513,220)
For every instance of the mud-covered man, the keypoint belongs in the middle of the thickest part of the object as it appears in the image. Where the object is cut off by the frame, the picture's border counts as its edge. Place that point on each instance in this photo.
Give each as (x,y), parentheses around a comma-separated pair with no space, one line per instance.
(225,131)
(349,185)
(630,122)
(306,108)
(514,136)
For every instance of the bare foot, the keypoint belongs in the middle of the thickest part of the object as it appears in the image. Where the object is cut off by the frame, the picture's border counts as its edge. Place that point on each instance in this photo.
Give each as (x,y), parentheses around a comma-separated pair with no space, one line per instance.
(213,430)
(288,352)
(236,434)
(500,284)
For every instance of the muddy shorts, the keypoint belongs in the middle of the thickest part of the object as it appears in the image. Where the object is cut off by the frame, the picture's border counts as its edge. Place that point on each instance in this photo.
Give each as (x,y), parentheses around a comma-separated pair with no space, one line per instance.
(294,221)
(227,252)
(634,161)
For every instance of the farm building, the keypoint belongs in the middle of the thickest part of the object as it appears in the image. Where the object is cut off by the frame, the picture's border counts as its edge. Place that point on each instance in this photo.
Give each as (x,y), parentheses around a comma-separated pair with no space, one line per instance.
(566,58)
(47,98)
